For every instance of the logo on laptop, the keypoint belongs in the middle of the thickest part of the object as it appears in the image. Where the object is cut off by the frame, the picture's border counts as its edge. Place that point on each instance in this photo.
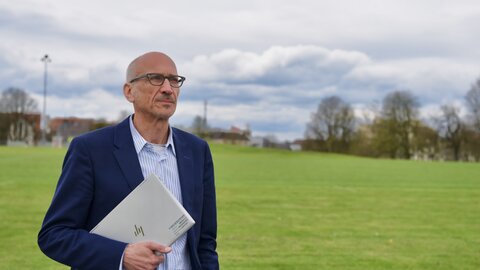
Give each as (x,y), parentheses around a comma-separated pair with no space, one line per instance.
(138,231)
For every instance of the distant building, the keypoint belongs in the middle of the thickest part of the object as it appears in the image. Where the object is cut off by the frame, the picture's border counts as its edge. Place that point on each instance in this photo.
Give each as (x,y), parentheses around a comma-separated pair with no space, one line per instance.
(258,141)
(63,128)
(296,145)
(235,136)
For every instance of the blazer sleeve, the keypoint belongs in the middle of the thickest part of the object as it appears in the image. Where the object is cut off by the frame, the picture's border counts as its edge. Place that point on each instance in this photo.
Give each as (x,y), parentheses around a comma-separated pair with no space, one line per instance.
(63,235)
(208,234)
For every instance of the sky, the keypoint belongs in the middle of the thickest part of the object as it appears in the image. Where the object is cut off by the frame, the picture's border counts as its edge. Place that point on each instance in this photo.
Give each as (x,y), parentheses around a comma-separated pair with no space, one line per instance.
(263,64)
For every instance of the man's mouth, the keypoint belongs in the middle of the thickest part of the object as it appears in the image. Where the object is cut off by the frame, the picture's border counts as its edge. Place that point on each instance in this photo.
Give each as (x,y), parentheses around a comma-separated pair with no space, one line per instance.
(165,101)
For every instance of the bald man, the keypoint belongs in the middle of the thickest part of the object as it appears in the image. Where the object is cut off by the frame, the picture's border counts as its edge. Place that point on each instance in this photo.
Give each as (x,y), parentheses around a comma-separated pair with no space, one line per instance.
(102,167)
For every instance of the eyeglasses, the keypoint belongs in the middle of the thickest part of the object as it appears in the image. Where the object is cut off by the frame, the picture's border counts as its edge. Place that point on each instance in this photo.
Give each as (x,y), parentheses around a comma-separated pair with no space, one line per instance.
(158,79)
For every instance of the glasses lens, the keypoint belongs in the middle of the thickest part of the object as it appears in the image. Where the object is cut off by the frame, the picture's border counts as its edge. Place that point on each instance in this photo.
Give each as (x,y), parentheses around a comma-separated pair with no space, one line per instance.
(175,81)
(156,79)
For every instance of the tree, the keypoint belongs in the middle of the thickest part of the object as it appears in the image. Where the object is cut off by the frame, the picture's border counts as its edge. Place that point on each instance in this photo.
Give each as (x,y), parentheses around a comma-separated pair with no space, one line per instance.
(451,129)
(384,139)
(395,127)
(4,127)
(472,142)
(473,104)
(362,141)
(16,104)
(16,100)
(334,123)
(100,123)
(426,142)
(199,126)
(472,131)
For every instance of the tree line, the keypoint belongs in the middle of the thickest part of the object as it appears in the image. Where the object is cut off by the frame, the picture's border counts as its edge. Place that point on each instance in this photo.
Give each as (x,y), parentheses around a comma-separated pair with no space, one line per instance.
(20,119)
(396,129)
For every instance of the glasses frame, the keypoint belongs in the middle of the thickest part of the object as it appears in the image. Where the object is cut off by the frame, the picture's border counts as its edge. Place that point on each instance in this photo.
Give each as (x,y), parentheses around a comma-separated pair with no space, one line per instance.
(149,75)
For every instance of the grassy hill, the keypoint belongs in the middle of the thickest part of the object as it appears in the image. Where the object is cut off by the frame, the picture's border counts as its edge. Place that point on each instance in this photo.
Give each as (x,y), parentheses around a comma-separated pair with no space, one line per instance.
(284,210)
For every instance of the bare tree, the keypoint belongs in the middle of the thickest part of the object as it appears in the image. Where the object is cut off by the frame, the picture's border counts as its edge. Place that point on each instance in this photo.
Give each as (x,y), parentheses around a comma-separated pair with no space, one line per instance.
(473,104)
(199,126)
(333,122)
(396,127)
(16,100)
(472,131)
(450,128)
(16,104)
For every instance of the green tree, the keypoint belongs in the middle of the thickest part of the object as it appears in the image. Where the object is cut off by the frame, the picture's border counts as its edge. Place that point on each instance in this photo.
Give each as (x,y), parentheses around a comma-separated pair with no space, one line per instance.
(394,129)
(426,141)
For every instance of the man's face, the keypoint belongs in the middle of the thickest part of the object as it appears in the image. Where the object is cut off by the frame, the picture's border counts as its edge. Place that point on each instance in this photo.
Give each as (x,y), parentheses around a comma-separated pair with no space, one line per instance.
(151,101)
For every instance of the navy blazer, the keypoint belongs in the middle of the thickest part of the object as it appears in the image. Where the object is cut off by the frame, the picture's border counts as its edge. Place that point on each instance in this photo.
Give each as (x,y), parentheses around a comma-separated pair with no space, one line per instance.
(100,169)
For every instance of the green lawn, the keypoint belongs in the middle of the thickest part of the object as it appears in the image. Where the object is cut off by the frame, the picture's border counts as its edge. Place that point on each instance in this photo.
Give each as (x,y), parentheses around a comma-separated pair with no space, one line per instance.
(283,210)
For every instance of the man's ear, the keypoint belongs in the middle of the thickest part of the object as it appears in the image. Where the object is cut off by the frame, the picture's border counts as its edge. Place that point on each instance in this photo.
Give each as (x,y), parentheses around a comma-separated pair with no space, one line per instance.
(127,92)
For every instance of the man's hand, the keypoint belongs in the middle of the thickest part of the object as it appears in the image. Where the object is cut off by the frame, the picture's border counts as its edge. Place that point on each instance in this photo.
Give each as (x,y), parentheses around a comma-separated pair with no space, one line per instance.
(144,255)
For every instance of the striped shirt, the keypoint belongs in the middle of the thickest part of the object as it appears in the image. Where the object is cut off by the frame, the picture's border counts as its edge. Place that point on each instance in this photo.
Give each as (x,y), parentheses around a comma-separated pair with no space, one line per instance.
(161,160)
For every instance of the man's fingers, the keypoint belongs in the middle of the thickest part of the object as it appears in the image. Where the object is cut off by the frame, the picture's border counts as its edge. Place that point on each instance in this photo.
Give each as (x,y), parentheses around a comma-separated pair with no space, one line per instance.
(158,248)
(141,255)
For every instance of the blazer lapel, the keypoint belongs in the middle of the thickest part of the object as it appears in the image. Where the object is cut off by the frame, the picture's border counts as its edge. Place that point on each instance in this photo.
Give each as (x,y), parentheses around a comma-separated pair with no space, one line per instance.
(126,155)
(185,168)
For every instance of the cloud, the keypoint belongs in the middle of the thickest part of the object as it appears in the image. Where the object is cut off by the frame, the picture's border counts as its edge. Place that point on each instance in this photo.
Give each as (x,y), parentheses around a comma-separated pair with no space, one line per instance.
(257,65)
(263,118)
(276,66)
(278,75)
(272,91)
(97,103)
(430,79)
(256,87)
(305,74)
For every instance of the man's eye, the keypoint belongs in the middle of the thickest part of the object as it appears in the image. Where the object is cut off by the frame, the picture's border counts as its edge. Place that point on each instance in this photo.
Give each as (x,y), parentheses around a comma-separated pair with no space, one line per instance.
(157,77)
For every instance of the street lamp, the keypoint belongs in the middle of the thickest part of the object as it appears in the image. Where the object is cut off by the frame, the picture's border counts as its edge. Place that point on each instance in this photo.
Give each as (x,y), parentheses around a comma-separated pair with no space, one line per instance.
(45,59)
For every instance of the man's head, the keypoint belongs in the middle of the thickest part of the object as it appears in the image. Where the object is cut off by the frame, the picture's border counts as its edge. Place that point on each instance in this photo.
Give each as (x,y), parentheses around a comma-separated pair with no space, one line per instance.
(153,85)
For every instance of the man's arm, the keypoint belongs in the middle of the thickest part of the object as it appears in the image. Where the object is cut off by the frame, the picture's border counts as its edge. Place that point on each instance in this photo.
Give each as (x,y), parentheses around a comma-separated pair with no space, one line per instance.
(63,236)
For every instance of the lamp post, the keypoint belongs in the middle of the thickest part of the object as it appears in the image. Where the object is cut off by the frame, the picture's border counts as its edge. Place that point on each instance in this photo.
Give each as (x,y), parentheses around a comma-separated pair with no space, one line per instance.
(45,59)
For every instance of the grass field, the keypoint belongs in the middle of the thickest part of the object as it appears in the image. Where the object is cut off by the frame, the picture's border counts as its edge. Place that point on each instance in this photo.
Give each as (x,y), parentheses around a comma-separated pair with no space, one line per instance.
(283,210)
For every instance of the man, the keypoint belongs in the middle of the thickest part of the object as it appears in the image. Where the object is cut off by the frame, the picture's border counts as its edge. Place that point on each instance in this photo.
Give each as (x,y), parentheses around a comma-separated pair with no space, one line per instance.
(102,167)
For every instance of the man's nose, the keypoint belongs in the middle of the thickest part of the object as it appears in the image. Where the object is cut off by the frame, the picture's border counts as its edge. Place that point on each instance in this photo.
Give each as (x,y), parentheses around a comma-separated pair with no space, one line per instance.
(166,88)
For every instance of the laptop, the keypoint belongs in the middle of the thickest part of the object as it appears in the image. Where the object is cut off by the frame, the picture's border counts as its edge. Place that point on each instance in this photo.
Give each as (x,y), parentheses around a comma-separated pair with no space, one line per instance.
(149,212)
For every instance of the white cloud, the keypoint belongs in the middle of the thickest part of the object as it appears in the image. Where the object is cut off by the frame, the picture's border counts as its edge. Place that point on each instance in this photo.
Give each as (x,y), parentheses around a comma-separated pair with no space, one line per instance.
(246,58)
(298,62)
(291,75)
(432,79)
(276,90)
(96,103)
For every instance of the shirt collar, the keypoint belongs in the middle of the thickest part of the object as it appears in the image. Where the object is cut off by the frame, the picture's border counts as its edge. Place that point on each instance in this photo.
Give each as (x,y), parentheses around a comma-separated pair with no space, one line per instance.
(139,142)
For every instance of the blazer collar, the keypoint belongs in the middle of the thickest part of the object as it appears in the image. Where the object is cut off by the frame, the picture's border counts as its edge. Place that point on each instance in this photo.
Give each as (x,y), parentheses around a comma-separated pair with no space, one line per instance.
(127,159)
(126,155)
(185,168)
